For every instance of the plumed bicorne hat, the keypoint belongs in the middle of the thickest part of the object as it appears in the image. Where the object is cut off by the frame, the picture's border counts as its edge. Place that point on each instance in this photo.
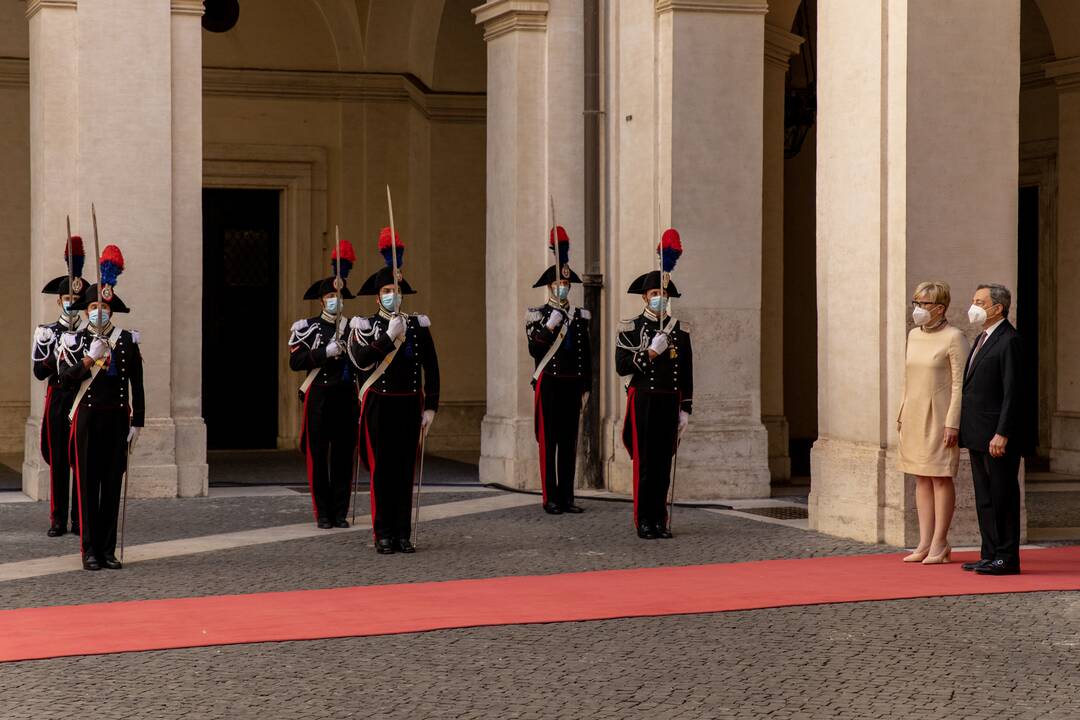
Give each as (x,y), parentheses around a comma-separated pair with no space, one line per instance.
(109,268)
(560,245)
(59,285)
(321,288)
(669,250)
(385,275)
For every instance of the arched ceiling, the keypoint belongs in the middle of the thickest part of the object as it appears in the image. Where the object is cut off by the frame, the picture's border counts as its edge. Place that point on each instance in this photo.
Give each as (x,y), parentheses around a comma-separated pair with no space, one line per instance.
(1062,18)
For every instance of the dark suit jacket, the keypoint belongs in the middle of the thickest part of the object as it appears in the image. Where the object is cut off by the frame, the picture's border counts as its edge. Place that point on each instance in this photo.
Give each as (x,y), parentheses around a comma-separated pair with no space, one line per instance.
(993,401)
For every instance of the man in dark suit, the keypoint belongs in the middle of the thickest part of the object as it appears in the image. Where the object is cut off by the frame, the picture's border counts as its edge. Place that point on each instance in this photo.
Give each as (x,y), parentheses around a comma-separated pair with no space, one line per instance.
(994,429)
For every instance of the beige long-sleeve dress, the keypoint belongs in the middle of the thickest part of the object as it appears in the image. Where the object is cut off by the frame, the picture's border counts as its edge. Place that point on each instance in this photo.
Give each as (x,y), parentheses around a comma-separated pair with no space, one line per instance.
(933,381)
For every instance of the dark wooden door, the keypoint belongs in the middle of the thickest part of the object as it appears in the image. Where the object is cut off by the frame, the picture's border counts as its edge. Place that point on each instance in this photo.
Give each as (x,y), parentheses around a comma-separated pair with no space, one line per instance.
(241,346)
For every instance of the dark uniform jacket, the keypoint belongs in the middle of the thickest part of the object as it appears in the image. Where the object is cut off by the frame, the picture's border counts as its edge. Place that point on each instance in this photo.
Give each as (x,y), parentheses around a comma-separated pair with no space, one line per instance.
(573,359)
(671,371)
(119,385)
(415,368)
(307,350)
(46,339)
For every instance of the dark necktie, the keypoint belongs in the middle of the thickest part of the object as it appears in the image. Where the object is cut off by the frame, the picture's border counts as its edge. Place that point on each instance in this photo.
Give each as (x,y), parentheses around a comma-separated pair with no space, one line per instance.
(978,346)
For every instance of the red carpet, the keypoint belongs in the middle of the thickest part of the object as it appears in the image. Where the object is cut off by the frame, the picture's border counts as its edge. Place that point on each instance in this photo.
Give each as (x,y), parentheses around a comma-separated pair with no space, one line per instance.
(35,633)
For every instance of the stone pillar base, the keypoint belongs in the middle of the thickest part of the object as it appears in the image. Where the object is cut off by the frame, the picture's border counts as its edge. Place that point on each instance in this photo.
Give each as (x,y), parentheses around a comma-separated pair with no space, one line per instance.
(779,460)
(857,492)
(509,454)
(35,473)
(714,463)
(1065,452)
(193,474)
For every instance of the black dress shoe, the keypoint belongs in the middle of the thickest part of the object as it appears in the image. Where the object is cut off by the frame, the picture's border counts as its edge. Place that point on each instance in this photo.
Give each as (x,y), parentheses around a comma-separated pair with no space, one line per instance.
(552,509)
(999,567)
(89,562)
(341,523)
(325,524)
(384,546)
(110,562)
(403,545)
(662,532)
(55,531)
(975,565)
(75,529)
(645,531)
(572,509)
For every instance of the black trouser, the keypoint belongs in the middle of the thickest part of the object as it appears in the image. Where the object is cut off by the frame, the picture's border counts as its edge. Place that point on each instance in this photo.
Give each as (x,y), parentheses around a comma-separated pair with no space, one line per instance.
(557,409)
(56,435)
(330,417)
(391,427)
(100,461)
(997,503)
(653,425)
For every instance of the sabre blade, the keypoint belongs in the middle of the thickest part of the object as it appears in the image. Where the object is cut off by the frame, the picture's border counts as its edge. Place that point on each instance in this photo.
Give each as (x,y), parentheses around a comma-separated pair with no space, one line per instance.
(393,240)
(71,275)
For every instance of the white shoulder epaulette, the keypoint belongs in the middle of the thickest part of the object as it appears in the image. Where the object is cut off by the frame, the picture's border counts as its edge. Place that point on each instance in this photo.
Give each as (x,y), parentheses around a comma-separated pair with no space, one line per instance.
(684,326)
(533,315)
(43,334)
(626,325)
(584,314)
(135,336)
(360,323)
(299,325)
(423,321)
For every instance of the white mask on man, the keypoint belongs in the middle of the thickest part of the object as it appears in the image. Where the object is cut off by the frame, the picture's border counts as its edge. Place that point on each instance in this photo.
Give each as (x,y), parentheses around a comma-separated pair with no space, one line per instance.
(921,316)
(976,315)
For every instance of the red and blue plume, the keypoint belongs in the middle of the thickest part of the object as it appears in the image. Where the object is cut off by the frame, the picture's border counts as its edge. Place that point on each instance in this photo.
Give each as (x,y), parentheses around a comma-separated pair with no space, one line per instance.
(559,237)
(112,264)
(348,259)
(386,247)
(669,249)
(78,256)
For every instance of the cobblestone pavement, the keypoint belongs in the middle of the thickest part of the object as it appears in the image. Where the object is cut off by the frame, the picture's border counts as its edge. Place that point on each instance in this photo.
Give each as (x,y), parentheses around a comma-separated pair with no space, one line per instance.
(1015,656)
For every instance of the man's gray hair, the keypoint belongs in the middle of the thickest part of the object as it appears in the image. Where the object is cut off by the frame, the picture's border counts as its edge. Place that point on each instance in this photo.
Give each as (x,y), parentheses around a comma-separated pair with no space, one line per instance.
(999,295)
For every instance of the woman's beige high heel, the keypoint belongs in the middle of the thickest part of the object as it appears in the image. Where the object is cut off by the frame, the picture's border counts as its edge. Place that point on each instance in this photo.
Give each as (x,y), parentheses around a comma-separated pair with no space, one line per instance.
(917,556)
(944,557)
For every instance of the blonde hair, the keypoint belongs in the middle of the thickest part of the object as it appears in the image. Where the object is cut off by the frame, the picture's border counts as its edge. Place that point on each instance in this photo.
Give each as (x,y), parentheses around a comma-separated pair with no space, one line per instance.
(937,291)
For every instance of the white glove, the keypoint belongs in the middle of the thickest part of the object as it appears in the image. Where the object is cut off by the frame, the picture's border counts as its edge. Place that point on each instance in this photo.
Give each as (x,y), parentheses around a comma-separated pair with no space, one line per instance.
(659,343)
(684,420)
(333,349)
(554,320)
(426,419)
(133,437)
(98,348)
(396,328)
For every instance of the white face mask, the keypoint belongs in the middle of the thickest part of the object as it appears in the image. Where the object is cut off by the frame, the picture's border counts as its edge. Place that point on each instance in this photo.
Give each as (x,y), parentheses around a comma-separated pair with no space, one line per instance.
(921,316)
(976,315)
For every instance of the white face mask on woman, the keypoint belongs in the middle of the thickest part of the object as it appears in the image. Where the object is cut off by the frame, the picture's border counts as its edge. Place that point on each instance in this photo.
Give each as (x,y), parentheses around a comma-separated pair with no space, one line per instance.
(976,315)
(921,316)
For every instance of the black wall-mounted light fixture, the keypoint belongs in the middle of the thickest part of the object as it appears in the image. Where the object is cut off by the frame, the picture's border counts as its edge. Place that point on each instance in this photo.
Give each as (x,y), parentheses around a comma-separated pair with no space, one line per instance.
(220,15)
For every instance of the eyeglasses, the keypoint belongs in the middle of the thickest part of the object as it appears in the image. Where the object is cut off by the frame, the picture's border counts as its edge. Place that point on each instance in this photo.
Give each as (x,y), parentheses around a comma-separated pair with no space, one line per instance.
(923,304)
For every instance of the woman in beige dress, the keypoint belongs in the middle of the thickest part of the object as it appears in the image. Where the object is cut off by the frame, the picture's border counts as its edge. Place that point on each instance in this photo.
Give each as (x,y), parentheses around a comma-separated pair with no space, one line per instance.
(930,416)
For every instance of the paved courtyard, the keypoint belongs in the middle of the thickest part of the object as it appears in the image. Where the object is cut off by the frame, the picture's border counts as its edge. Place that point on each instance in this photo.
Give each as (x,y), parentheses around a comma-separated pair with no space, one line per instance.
(993,656)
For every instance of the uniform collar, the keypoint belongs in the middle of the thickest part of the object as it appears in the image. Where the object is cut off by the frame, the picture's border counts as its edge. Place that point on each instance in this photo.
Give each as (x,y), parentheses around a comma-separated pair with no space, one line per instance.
(103,332)
(384,314)
(71,323)
(650,315)
(327,317)
(558,304)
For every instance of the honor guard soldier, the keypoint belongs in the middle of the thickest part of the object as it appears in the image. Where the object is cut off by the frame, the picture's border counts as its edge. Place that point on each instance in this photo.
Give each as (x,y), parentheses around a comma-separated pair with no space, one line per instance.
(653,350)
(328,393)
(399,397)
(70,290)
(558,336)
(103,365)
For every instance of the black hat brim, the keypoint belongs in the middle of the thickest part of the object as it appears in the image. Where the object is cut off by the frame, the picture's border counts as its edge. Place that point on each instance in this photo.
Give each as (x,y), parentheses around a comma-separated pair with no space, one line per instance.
(381,278)
(59,286)
(651,281)
(551,275)
(116,304)
(321,288)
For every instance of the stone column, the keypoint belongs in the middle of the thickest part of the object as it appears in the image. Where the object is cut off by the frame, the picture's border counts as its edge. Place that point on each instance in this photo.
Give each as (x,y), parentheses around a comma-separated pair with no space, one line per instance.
(918,123)
(710,130)
(780,45)
(1065,450)
(187,242)
(54,151)
(517,211)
